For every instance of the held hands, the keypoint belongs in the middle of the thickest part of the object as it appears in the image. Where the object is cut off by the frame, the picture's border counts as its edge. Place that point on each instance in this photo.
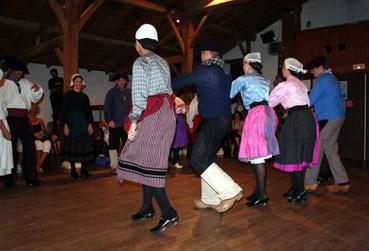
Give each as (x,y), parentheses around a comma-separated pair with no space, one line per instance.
(111,124)
(35,87)
(6,134)
(90,129)
(132,131)
(66,130)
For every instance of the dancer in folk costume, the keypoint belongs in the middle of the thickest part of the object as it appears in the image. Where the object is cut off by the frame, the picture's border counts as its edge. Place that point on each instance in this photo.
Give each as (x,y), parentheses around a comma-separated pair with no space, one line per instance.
(258,141)
(144,158)
(218,190)
(299,136)
(78,127)
(6,152)
(18,94)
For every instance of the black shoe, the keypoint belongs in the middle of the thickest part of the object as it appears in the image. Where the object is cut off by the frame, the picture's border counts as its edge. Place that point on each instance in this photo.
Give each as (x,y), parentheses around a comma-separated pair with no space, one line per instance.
(251,196)
(298,198)
(257,202)
(289,193)
(75,176)
(11,185)
(86,175)
(35,183)
(324,180)
(140,216)
(164,224)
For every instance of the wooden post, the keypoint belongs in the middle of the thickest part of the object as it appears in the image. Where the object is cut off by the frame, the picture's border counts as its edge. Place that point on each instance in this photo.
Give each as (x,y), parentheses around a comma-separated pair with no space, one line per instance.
(290,26)
(71,19)
(188,32)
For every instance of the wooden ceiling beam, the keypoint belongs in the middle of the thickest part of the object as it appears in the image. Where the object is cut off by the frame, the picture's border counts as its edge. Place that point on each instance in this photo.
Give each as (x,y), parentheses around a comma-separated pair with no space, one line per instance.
(174,59)
(59,13)
(59,54)
(144,5)
(34,27)
(89,11)
(176,32)
(198,30)
(45,47)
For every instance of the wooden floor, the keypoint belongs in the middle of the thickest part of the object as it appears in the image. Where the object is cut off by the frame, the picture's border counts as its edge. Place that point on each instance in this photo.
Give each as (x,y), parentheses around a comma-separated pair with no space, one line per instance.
(95,215)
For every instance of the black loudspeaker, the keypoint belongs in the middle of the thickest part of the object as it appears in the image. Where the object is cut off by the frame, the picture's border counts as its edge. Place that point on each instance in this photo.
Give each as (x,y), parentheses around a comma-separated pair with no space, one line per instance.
(267,37)
(275,48)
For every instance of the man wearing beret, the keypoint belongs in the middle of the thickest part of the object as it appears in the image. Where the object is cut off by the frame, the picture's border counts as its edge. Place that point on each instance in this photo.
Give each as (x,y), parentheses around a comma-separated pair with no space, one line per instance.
(116,108)
(326,99)
(19,94)
(218,190)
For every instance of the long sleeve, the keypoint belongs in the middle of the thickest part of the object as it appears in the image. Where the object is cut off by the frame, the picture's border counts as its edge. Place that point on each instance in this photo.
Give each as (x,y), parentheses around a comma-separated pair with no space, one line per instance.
(139,89)
(237,86)
(2,112)
(35,95)
(276,96)
(65,108)
(316,92)
(187,80)
(192,111)
(108,107)
(88,111)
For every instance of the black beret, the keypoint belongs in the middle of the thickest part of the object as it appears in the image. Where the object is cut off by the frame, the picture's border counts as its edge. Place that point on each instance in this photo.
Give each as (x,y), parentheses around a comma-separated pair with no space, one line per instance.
(120,76)
(16,64)
(316,62)
(210,46)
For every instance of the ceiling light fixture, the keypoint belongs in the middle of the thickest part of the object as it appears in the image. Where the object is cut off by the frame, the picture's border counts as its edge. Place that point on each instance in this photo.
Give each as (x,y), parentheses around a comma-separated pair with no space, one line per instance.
(217,2)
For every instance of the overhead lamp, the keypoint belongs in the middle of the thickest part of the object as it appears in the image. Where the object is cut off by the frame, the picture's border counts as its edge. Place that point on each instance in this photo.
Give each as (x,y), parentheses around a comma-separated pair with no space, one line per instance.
(217,2)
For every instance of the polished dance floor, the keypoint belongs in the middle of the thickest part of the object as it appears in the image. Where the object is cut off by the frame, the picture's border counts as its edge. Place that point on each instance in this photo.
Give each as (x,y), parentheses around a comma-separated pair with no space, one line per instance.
(94,214)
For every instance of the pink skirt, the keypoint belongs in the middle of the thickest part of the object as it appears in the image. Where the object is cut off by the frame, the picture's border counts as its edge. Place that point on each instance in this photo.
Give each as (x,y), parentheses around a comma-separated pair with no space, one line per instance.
(258,134)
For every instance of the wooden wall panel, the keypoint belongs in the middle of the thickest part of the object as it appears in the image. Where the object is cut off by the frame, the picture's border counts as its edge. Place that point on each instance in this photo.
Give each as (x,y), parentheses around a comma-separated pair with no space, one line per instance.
(314,43)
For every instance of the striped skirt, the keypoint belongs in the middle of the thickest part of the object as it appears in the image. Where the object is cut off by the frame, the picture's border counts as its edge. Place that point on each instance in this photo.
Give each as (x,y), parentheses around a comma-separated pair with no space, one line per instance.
(298,141)
(258,134)
(145,159)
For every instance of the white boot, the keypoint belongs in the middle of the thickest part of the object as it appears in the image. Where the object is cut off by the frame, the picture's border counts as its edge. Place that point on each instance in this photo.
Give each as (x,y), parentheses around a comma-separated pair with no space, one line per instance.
(228,191)
(113,156)
(209,198)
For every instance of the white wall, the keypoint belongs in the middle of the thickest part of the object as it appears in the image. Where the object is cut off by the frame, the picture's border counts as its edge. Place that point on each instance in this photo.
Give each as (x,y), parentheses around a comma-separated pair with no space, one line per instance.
(321,13)
(97,85)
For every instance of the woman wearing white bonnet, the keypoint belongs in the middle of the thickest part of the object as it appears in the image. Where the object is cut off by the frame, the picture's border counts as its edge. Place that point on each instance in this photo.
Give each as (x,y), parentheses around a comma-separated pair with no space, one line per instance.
(6,152)
(299,136)
(144,158)
(258,141)
(78,120)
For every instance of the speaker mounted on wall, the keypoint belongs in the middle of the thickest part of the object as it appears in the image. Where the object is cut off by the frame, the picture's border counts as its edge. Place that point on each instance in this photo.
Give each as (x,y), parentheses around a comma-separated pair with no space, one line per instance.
(267,37)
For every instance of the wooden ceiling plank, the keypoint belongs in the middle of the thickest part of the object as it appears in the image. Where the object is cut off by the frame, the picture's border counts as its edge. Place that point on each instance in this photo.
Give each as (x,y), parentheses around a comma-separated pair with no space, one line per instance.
(145,5)
(89,11)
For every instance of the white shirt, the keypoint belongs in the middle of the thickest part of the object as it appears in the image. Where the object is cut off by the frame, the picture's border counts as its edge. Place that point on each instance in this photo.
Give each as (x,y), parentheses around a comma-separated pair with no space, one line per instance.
(13,99)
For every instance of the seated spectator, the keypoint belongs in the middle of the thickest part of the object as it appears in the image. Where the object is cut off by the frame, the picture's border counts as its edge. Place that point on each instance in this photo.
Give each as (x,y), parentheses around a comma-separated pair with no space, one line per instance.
(42,139)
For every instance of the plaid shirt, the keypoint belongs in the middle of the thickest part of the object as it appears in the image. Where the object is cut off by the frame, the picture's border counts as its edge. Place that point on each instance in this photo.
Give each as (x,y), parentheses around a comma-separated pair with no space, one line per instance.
(150,76)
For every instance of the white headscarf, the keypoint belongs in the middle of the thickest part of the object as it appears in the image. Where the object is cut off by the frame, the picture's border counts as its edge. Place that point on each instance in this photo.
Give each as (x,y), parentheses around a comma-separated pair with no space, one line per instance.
(253,57)
(76,75)
(293,65)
